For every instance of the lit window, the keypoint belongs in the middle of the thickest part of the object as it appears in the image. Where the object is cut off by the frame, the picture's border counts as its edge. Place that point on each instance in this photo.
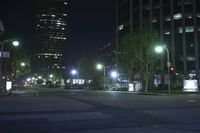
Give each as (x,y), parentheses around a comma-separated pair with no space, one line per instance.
(190,16)
(154,20)
(64,14)
(168,19)
(44,15)
(190,58)
(65,3)
(121,27)
(191,45)
(188,29)
(178,16)
(167,33)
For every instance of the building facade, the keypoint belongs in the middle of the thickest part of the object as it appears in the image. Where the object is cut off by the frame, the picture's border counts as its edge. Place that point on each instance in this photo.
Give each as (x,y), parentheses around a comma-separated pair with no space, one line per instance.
(177,22)
(50,36)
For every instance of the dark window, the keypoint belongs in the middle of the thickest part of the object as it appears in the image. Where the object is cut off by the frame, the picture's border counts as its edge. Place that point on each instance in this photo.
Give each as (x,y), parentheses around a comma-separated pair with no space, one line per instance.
(124,12)
(145,2)
(190,44)
(190,65)
(188,8)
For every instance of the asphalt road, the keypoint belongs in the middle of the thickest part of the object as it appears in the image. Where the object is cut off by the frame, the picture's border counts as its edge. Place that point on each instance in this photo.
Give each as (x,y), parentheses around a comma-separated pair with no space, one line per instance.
(75,111)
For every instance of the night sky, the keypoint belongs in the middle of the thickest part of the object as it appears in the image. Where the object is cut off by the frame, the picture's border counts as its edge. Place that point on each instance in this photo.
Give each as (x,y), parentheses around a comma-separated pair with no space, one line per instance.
(91,24)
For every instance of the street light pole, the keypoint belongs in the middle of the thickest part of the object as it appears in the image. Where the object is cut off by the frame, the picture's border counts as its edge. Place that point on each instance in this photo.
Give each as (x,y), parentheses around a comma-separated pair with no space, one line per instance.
(104,77)
(15,43)
(1,66)
(159,49)
(168,66)
(100,67)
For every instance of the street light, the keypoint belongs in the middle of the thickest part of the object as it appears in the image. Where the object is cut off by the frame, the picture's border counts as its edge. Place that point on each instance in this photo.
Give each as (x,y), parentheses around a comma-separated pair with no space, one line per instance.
(100,67)
(22,64)
(74,72)
(114,74)
(51,75)
(39,77)
(14,43)
(73,80)
(159,49)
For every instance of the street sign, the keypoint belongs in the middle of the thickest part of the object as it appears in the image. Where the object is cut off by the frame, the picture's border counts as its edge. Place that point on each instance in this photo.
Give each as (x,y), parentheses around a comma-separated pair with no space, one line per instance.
(4,54)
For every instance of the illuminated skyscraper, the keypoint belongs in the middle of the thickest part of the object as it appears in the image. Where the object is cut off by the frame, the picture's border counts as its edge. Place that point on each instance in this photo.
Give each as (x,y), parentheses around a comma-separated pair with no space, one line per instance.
(50,36)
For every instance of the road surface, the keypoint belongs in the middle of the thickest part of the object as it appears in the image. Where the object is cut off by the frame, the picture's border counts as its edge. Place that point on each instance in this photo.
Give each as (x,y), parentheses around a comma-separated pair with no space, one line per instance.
(79,111)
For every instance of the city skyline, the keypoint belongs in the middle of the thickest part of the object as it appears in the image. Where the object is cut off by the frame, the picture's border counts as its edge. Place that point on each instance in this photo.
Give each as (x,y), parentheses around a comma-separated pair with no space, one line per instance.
(91,24)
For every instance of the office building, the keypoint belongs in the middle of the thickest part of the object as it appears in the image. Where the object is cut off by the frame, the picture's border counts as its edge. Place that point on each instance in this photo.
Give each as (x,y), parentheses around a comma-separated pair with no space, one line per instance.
(50,36)
(177,22)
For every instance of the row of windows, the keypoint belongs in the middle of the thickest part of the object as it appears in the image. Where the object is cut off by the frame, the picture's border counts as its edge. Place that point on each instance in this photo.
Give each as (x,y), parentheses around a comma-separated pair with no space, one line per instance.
(49,54)
(59,38)
(177,16)
(57,22)
(49,27)
(188,29)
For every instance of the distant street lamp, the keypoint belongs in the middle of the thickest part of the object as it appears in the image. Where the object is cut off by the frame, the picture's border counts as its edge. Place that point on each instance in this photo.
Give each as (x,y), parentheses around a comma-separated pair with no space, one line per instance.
(160,49)
(28,79)
(53,79)
(114,74)
(39,77)
(51,75)
(22,64)
(100,67)
(74,72)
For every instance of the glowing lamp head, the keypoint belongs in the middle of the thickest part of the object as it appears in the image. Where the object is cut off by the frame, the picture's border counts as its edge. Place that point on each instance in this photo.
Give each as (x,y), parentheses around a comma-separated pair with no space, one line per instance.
(73,72)
(159,49)
(99,66)
(15,43)
(114,74)
(23,64)
(51,75)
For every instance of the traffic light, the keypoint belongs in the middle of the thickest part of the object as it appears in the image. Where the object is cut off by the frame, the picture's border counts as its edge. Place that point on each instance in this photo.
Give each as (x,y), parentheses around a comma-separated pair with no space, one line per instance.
(172,70)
